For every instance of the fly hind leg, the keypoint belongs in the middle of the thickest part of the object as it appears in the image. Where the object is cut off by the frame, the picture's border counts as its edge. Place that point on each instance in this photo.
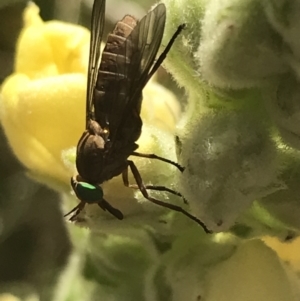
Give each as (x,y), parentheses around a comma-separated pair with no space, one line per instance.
(144,191)
(157,188)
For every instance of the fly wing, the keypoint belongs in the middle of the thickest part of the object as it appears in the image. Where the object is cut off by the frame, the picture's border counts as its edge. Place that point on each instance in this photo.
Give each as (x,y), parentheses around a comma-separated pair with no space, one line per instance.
(147,36)
(97,27)
(140,51)
(111,90)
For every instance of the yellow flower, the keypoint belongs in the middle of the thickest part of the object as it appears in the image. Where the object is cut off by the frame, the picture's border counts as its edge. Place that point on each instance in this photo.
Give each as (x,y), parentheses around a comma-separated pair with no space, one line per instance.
(43,101)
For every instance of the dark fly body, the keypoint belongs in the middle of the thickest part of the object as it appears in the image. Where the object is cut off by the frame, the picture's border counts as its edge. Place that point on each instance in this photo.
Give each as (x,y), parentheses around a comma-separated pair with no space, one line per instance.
(113,105)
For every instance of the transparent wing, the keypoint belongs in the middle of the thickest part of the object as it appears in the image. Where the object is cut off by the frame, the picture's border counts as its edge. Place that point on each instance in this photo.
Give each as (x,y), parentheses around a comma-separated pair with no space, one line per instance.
(147,35)
(140,50)
(97,26)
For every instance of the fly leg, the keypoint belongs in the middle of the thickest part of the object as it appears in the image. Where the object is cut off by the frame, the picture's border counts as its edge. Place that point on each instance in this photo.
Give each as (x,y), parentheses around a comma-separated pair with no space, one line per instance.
(158,188)
(153,156)
(162,188)
(77,210)
(163,55)
(107,206)
(143,190)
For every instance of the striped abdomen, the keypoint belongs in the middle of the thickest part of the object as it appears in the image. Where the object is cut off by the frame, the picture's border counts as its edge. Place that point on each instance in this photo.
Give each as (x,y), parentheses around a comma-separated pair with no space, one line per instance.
(113,80)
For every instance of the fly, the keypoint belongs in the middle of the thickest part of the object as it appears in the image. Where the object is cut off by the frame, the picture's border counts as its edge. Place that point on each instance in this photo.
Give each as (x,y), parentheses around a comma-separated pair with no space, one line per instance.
(113,104)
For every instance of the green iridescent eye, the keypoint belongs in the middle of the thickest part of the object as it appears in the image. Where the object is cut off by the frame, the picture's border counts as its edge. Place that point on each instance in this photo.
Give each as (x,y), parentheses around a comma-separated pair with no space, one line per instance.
(88,193)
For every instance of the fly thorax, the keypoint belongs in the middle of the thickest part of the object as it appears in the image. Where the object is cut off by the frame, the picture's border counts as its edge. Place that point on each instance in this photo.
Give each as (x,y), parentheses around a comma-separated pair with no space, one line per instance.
(95,129)
(90,156)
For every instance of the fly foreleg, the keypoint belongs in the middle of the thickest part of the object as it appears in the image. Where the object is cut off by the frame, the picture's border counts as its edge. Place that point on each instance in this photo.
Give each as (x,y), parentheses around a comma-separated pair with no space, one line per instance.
(103,204)
(77,210)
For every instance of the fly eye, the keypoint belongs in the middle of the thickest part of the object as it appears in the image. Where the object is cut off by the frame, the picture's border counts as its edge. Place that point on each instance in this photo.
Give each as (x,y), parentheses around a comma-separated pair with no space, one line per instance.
(88,193)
